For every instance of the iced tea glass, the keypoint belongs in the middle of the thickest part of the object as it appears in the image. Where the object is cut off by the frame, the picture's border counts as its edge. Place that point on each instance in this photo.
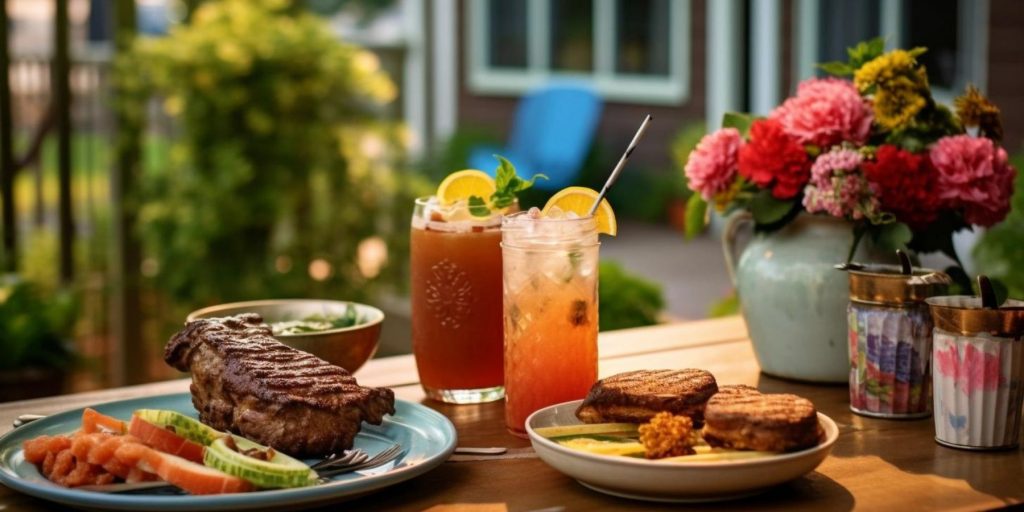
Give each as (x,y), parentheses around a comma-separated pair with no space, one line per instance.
(456,303)
(550,288)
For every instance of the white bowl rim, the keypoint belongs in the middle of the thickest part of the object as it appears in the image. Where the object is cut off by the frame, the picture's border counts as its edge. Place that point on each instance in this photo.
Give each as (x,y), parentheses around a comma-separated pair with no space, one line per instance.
(830,427)
(378,315)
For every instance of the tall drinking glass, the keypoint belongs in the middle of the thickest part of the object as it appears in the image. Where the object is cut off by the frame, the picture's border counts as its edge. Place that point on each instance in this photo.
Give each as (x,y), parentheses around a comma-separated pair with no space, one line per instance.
(456,303)
(550,287)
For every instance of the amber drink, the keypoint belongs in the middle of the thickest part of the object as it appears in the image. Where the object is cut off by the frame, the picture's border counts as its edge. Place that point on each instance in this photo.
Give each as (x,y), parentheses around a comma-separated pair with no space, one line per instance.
(457,302)
(550,288)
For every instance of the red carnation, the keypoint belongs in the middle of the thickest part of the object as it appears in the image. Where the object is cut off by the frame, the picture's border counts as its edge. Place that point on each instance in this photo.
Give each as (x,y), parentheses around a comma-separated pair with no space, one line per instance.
(905,184)
(774,159)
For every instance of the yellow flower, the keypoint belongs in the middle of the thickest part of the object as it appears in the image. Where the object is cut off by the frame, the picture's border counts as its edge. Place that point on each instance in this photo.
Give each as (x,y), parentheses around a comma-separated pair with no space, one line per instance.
(896,107)
(977,112)
(899,84)
(724,198)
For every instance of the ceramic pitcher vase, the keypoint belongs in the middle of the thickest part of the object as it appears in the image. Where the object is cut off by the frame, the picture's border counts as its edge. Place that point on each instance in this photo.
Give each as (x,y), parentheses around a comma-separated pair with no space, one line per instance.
(792,297)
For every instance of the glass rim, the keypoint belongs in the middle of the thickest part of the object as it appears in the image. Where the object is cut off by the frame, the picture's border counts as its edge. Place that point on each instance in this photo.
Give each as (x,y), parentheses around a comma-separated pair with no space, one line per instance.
(425,201)
(568,247)
(589,218)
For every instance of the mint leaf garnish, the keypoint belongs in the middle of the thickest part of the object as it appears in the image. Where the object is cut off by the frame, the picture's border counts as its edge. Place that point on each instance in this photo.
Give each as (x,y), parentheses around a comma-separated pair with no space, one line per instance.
(508,183)
(478,207)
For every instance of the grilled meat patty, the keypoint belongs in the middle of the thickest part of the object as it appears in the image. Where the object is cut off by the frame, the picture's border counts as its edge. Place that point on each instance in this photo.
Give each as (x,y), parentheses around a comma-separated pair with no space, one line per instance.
(748,420)
(245,381)
(635,397)
(739,389)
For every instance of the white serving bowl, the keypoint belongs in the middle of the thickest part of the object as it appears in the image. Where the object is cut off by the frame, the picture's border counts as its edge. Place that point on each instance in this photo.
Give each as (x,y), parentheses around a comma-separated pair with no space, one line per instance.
(643,479)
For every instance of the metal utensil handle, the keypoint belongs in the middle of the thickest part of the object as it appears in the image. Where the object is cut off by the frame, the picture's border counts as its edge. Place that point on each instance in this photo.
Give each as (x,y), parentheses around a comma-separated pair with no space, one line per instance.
(906,267)
(988,294)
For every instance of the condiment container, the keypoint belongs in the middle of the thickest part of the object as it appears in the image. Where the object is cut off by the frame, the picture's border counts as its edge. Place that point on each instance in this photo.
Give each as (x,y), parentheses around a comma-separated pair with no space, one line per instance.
(978,373)
(890,339)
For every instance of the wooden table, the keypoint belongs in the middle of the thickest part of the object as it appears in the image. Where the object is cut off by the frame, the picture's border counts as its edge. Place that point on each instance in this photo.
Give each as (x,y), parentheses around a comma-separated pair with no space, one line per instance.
(875,465)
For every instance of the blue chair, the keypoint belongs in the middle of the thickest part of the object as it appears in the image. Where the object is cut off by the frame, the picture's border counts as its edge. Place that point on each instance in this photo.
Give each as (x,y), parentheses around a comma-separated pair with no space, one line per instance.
(553,129)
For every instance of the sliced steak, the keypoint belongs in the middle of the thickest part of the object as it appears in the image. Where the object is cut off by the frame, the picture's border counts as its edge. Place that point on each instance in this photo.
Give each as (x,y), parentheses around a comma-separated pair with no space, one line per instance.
(245,381)
(635,397)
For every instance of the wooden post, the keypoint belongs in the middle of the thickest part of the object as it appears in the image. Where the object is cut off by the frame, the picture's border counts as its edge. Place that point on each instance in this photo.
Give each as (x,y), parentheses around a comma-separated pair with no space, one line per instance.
(125,310)
(9,257)
(62,105)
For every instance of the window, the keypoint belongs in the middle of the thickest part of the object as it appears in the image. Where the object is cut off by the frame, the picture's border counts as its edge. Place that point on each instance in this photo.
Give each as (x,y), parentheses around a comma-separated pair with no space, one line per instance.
(635,50)
(507,22)
(954,31)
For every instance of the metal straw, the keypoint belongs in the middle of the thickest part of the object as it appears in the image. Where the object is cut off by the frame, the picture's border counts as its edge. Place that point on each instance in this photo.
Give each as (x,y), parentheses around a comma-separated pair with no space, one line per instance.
(622,163)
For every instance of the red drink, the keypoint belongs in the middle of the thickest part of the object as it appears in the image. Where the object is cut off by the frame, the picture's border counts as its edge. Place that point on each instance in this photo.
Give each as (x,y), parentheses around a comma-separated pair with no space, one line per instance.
(550,288)
(457,304)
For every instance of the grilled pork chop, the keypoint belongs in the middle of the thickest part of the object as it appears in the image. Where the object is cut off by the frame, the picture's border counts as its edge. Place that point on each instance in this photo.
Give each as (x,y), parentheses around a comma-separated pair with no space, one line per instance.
(754,421)
(635,397)
(245,381)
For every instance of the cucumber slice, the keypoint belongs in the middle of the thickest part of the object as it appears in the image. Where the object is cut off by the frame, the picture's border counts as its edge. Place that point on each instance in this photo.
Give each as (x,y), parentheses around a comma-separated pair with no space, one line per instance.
(599,447)
(584,429)
(280,471)
(185,426)
(596,437)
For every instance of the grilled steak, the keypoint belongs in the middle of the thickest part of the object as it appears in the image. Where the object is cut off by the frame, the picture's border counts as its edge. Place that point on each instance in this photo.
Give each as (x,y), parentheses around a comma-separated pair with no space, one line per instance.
(749,420)
(635,397)
(245,381)
(738,389)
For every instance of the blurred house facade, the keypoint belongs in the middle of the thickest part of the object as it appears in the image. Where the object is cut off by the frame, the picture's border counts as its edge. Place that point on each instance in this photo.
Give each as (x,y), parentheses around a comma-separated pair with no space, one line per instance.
(688,60)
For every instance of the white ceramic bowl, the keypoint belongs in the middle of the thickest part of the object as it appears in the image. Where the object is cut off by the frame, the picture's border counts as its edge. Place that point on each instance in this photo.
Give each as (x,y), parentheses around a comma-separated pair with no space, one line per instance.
(672,481)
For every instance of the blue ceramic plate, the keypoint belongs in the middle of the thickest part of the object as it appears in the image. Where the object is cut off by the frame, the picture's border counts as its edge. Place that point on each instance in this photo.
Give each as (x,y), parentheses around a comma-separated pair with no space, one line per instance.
(427,439)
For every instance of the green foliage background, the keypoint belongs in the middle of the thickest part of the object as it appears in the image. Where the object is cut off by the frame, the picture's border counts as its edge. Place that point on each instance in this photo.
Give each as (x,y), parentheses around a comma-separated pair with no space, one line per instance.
(626,300)
(35,326)
(279,157)
(1000,252)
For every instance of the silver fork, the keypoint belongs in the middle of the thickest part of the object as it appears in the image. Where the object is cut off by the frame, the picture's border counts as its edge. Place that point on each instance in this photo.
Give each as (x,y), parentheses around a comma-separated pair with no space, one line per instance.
(330,467)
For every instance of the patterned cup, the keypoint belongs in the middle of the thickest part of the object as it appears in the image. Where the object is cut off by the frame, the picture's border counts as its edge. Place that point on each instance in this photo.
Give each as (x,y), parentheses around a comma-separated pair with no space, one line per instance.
(978,373)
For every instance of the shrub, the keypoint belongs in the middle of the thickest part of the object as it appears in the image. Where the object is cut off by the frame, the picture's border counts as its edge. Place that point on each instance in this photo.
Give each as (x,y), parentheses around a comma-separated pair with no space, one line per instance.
(627,300)
(280,165)
(35,327)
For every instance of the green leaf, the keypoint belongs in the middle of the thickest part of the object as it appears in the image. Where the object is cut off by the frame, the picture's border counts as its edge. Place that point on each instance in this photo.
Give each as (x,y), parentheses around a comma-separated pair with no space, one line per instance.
(876,46)
(1001,290)
(478,207)
(506,173)
(739,121)
(865,51)
(508,184)
(696,210)
(766,209)
(892,236)
(836,68)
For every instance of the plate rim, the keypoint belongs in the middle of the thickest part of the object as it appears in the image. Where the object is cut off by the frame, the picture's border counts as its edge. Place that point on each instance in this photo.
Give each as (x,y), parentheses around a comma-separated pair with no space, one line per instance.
(828,424)
(238,501)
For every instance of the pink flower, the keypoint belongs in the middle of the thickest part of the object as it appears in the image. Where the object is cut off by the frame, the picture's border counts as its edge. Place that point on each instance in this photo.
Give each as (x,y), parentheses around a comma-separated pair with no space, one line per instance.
(711,167)
(825,112)
(838,188)
(975,175)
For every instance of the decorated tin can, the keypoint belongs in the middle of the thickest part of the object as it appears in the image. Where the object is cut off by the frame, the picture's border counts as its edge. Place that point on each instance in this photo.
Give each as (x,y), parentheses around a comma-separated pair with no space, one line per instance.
(978,362)
(890,339)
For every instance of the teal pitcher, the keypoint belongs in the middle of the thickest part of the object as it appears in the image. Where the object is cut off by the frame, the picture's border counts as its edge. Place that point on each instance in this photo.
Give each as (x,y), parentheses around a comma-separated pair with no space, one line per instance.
(792,297)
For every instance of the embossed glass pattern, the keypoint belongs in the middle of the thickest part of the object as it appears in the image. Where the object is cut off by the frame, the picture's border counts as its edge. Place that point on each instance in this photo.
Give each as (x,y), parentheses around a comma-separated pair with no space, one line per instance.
(456,303)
